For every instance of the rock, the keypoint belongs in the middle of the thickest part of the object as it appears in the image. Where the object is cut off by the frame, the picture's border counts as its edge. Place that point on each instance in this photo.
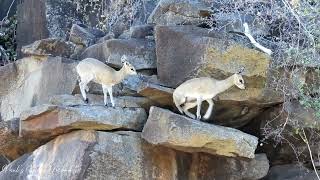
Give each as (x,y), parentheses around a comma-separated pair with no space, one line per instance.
(106,37)
(139,31)
(33,82)
(103,155)
(175,131)
(180,12)
(121,15)
(11,145)
(161,95)
(49,47)
(290,172)
(140,52)
(8,74)
(121,101)
(228,168)
(46,121)
(186,52)
(80,35)
(39,19)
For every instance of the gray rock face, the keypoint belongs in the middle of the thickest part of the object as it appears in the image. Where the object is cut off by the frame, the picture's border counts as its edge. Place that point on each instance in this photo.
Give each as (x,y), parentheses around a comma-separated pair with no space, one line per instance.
(172,130)
(290,172)
(33,82)
(45,121)
(140,52)
(81,36)
(11,145)
(139,31)
(49,47)
(186,52)
(121,101)
(180,12)
(103,155)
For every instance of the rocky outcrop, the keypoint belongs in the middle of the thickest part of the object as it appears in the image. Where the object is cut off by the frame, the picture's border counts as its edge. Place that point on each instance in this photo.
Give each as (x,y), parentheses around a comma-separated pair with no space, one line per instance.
(140,52)
(49,47)
(124,154)
(47,121)
(180,12)
(172,130)
(139,31)
(11,145)
(97,100)
(81,36)
(185,52)
(290,172)
(33,82)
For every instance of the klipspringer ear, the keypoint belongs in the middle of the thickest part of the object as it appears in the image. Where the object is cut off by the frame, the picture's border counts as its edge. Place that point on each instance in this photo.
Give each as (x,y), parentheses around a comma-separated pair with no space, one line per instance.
(123,59)
(241,70)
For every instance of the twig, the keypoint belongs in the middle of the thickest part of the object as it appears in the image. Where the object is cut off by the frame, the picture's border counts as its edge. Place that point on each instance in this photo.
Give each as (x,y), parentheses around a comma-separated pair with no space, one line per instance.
(253,41)
(7,15)
(304,138)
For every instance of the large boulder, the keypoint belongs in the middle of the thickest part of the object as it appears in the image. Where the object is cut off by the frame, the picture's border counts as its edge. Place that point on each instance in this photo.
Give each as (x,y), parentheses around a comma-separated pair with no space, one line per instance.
(96,100)
(140,52)
(12,145)
(139,31)
(172,130)
(81,36)
(45,121)
(32,82)
(290,172)
(49,47)
(123,155)
(185,52)
(180,12)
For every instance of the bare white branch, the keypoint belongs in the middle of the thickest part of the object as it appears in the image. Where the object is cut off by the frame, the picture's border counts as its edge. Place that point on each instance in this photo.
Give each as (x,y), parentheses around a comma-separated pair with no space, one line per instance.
(253,41)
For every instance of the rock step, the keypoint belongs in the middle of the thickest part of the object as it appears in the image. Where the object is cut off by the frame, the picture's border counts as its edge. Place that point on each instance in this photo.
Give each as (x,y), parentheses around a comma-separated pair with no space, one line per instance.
(176,131)
(45,121)
(103,155)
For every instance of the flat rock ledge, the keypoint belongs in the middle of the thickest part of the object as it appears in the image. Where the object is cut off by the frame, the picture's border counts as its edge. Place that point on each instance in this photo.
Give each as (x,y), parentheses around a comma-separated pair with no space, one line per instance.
(52,120)
(166,128)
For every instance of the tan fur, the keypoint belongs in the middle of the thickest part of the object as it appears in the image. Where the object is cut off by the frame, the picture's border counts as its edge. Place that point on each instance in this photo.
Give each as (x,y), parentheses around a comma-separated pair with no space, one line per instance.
(91,69)
(192,92)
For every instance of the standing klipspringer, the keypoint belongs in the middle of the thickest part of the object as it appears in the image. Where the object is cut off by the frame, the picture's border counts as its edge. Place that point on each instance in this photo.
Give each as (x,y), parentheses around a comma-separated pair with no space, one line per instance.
(192,92)
(91,69)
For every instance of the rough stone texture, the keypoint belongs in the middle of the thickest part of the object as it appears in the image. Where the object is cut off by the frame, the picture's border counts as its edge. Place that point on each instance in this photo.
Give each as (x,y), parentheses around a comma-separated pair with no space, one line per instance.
(106,37)
(140,31)
(124,155)
(49,47)
(274,118)
(140,52)
(120,15)
(82,36)
(204,166)
(121,101)
(34,82)
(161,95)
(185,52)
(11,145)
(180,12)
(8,76)
(290,172)
(45,121)
(172,130)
